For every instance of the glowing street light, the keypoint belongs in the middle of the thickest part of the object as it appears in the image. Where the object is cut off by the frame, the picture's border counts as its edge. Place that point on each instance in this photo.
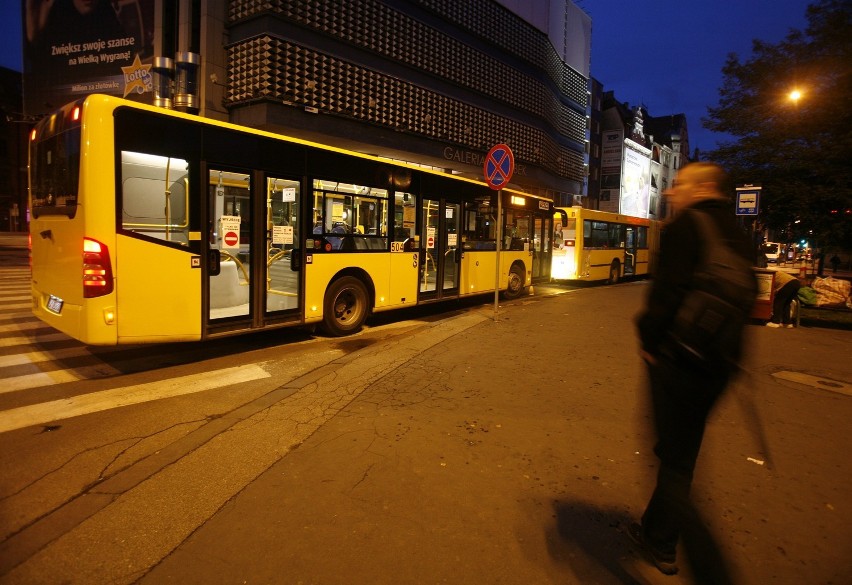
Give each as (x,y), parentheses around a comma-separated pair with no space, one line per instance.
(795,96)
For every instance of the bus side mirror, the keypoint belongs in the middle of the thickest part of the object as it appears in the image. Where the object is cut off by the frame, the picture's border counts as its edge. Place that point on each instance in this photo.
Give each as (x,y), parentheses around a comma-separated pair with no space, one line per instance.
(214,260)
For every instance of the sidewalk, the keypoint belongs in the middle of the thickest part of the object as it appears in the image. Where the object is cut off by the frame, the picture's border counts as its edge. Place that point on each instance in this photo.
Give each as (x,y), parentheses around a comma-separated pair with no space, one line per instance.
(468,451)
(519,451)
(810,270)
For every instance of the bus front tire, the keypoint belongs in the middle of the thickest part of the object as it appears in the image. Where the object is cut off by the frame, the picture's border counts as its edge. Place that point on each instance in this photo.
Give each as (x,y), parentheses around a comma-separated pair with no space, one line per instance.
(516,283)
(614,272)
(345,308)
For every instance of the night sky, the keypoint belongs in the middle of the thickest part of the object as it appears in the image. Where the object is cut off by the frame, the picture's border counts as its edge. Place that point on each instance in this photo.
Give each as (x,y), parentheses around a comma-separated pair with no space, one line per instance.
(669,54)
(665,54)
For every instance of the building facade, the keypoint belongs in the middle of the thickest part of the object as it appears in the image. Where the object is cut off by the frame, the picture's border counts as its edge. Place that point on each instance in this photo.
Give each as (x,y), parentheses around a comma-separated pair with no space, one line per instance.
(434,82)
(14,129)
(437,82)
(640,157)
(593,183)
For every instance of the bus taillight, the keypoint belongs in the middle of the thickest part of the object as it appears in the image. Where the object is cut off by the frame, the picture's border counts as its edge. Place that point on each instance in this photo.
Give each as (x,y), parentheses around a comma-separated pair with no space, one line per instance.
(97,271)
(75,114)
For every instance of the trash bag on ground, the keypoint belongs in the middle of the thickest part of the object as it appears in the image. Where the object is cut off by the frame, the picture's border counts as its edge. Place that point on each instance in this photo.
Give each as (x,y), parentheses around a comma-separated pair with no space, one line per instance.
(832,292)
(807,296)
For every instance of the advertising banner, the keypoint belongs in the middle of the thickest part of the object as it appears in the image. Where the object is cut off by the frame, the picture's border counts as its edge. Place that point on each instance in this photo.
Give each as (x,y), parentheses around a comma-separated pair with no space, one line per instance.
(76,47)
(635,179)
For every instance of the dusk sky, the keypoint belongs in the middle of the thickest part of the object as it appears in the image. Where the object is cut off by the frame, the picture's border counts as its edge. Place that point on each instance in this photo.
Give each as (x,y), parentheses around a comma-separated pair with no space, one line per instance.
(665,54)
(669,54)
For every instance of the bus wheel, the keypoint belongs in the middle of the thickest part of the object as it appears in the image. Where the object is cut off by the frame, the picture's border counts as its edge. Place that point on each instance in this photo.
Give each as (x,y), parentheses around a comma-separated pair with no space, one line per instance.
(614,272)
(345,307)
(516,283)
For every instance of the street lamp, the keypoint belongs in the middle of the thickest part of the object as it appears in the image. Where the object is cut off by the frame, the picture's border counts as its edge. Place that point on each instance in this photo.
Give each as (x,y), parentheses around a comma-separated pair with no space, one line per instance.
(795,96)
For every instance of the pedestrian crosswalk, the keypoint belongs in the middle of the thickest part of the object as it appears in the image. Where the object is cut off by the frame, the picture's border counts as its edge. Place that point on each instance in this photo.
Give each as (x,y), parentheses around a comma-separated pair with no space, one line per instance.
(32,354)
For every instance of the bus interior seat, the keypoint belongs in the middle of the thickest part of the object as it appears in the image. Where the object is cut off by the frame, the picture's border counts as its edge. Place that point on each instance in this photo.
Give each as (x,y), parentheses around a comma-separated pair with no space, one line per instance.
(227,288)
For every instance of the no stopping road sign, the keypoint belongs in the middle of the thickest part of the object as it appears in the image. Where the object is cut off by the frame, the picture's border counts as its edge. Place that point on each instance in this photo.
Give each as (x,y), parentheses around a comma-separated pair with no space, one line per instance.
(499,166)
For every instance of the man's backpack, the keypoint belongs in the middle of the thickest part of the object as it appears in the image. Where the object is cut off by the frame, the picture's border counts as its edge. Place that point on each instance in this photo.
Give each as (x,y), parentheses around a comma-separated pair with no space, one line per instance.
(708,327)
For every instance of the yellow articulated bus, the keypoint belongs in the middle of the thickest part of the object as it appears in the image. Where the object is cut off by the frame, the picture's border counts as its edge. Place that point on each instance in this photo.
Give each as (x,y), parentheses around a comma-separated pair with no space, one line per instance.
(598,245)
(151,225)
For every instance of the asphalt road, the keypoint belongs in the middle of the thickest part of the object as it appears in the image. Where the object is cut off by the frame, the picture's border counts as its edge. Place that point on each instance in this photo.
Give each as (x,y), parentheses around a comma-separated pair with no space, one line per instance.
(443,447)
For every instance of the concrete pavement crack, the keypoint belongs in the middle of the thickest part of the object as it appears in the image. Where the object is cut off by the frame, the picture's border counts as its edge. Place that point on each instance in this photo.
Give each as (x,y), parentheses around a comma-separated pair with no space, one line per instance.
(215,459)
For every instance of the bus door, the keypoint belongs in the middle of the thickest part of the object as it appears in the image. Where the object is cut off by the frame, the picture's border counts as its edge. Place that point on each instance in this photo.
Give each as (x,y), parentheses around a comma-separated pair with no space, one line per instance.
(283,262)
(440,249)
(542,247)
(630,245)
(229,249)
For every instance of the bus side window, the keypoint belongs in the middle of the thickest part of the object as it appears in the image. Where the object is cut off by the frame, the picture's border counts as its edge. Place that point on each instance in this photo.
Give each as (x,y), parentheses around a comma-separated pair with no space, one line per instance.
(155,196)
(479,230)
(344,210)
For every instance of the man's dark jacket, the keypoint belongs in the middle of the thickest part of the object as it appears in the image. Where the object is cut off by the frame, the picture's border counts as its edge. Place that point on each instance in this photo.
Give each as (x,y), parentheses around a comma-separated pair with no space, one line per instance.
(681,250)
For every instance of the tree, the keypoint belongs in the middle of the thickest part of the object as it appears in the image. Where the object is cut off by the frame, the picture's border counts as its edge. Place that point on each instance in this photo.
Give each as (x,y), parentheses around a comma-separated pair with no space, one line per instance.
(798,150)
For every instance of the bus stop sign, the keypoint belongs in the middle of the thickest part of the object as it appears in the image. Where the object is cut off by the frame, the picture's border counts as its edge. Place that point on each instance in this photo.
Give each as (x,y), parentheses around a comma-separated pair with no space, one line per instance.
(499,166)
(748,200)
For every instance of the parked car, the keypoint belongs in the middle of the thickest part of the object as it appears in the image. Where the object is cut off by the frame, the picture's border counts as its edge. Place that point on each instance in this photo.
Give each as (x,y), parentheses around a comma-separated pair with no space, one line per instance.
(772,251)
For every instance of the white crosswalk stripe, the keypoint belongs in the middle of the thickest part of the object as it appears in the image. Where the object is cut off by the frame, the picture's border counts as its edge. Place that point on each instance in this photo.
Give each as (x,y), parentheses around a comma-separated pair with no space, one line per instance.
(47,412)
(23,339)
(33,357)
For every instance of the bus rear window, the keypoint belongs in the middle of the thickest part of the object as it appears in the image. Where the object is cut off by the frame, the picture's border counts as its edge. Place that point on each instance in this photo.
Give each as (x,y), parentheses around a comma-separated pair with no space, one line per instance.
(55,171)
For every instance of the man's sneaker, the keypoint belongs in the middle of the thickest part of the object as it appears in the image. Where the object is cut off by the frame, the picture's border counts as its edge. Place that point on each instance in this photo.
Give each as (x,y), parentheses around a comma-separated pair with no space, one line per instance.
(664,562)
(771,324)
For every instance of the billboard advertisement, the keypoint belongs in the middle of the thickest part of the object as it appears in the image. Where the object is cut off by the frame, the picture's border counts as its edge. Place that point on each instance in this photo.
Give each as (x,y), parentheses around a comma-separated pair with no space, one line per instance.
(635,180)
(76,47)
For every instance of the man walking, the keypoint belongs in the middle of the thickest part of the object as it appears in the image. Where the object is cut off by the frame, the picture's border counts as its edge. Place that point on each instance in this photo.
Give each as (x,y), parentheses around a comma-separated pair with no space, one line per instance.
(683,393)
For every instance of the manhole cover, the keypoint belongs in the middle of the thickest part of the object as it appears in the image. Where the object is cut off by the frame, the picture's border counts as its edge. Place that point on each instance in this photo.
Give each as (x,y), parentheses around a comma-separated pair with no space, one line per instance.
(816,382)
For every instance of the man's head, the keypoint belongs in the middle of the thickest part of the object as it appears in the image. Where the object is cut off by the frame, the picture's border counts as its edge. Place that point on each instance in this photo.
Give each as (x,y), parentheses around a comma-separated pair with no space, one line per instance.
(694,182)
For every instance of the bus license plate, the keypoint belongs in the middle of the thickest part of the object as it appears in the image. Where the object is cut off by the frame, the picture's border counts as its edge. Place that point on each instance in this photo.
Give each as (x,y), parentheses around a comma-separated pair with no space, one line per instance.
(54,304)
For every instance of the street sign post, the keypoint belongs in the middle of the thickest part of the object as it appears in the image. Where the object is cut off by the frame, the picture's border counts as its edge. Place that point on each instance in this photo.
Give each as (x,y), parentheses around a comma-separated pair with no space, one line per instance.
(498,168)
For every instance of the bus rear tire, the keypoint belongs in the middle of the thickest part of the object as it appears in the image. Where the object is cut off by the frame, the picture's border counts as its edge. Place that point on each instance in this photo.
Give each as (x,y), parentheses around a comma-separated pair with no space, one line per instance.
(614,272)
(345,307)
(516,283)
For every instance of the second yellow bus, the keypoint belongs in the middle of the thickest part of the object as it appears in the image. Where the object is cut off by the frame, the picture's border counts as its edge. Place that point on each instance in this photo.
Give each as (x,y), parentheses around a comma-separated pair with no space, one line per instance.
(599,245)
